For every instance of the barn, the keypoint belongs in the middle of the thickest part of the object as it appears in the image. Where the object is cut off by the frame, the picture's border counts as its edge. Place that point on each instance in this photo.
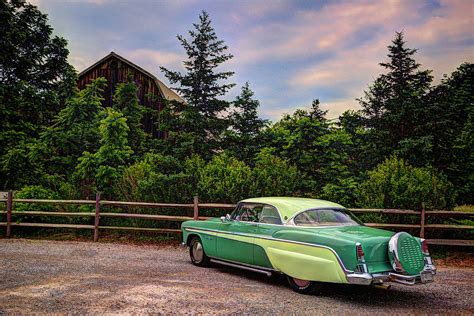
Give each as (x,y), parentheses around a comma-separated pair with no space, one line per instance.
(152,93)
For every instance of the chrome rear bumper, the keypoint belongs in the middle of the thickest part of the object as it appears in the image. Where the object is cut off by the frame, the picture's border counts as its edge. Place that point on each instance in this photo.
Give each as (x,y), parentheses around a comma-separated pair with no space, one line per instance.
(426,276)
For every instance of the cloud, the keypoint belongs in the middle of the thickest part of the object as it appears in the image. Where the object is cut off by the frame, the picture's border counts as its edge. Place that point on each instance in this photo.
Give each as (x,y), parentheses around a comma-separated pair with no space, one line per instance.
(333,27)
(95,2)
(153,59)
(449,23)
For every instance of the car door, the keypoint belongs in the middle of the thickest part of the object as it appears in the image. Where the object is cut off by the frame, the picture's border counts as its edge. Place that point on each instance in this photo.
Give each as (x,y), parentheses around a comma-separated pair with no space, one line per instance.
(236,236)
(269,223)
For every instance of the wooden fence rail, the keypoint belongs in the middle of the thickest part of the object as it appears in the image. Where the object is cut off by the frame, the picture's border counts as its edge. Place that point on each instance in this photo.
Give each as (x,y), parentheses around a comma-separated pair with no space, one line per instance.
(196,206)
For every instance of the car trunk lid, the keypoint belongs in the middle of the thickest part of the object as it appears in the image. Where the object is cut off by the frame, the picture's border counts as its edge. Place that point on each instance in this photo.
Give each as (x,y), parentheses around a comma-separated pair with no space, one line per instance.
(374,244)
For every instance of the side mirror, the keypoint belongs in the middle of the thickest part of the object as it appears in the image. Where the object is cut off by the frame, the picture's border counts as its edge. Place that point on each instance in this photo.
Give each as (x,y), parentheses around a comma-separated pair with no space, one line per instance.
(225,218)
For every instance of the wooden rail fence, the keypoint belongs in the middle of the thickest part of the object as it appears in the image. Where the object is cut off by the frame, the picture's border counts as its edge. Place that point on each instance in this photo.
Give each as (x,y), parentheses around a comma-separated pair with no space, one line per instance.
(196,206)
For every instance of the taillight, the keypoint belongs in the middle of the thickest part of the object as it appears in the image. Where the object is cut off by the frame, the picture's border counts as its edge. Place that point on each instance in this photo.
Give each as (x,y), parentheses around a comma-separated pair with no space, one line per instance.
(359,252)
(424,247)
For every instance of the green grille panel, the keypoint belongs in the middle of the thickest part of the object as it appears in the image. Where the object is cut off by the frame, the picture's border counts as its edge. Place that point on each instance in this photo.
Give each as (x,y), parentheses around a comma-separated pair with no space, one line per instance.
(410,255)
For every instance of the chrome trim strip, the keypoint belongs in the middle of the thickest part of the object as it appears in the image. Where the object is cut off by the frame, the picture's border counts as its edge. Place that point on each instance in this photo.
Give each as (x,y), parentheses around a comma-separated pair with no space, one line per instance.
(239,265)
(275,239)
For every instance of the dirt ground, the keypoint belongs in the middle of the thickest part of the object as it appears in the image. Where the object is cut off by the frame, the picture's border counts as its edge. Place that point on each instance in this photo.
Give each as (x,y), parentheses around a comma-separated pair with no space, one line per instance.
(38,276)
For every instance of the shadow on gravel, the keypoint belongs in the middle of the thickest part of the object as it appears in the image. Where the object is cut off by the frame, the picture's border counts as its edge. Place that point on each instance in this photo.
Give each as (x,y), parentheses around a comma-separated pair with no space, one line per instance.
(358,295)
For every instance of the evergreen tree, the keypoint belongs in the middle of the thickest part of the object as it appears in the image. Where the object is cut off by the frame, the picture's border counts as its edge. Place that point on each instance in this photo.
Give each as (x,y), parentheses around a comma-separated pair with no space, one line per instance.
(126,101)
(201,86)
(243,140)
(449,124)
(394,105)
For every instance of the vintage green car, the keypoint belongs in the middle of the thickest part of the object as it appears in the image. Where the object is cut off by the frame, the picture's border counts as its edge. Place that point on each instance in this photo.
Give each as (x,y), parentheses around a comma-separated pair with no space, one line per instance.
(310,241)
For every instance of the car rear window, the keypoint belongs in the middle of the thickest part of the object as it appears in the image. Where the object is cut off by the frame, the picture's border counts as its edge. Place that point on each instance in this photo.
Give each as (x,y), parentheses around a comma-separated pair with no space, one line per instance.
(325,217)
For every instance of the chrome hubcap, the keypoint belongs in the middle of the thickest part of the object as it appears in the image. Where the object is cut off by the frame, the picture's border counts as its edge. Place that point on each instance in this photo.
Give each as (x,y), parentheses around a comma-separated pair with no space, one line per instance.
(301,283)
(198,253)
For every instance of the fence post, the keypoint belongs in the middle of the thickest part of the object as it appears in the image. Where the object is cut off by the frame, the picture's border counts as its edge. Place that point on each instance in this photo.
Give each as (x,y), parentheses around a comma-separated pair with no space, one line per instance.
(196,207)
(9,212)
(97,216)
(422,224)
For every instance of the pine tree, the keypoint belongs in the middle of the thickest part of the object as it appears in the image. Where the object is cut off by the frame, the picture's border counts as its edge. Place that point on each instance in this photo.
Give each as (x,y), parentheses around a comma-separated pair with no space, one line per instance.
(449,117)
(202,85)
(394,105)
(243,140)
(126,100)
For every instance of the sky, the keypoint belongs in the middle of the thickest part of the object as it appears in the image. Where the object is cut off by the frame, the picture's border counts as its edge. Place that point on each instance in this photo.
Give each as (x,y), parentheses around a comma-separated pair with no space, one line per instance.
(290,52)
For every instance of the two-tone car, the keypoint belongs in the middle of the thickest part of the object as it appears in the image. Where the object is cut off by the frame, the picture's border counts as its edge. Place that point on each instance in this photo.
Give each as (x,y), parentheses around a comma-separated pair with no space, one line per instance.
(310,241)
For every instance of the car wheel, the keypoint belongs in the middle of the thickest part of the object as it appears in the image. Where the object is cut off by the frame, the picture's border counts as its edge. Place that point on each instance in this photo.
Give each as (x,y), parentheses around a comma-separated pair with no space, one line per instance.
(197,254)
(303,286)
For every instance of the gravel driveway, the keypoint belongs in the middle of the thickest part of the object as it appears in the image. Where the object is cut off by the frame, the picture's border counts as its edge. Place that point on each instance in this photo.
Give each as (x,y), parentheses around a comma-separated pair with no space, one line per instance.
(84,277)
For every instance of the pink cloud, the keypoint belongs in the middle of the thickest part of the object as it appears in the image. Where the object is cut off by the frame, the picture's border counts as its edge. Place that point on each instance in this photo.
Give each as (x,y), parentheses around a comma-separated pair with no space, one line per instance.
(329,29)
(156,58)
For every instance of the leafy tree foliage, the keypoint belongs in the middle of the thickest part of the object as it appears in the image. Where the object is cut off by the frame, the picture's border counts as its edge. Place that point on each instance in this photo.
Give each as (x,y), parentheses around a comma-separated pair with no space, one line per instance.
(201,86)
(310,142)
(35,79)
(74,131)
(102,169)
(223,179)
(396,184)
(156,178)
(244,139)
(273,176)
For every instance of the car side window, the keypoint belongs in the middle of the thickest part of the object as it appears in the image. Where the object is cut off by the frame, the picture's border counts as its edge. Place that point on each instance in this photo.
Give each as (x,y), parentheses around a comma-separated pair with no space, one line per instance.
(247,213)
(269,215)
(235,216)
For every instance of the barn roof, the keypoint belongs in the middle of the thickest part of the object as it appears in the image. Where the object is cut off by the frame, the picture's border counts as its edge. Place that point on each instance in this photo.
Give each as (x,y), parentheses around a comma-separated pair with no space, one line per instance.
(167,93)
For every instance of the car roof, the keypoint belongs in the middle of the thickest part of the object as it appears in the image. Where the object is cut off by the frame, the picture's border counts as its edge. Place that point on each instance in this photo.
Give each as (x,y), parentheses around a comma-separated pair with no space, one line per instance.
(289,206)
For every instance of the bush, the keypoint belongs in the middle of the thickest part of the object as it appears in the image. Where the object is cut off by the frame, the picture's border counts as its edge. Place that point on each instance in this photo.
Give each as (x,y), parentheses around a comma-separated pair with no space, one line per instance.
(35,192)
(224,179)
(396,184)
(273,176)
(156,178)
(342,191)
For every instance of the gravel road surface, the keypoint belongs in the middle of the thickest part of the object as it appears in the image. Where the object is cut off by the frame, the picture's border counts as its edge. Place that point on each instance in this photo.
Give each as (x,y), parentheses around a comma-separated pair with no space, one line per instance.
(38,276)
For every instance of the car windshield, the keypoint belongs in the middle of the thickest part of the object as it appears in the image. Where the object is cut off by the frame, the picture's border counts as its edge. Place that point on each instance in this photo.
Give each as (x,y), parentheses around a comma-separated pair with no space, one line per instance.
(326,217)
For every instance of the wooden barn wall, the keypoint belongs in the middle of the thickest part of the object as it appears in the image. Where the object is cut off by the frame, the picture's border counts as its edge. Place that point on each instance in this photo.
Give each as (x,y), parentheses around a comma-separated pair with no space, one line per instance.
(116,71)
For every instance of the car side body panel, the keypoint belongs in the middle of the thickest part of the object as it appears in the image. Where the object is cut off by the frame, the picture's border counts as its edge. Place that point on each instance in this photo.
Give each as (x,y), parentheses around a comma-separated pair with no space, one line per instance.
(233,249)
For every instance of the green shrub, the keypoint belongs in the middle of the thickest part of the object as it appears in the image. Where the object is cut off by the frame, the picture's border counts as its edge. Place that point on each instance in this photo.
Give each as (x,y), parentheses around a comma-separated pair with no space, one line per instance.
(396,184)
(156,178)
(272,176)
(224,179)
(35,192)
(342,191)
